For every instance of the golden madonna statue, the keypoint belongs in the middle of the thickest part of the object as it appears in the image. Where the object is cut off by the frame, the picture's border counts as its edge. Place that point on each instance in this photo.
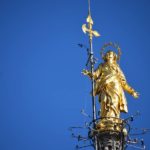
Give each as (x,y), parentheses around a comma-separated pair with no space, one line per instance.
(110,84)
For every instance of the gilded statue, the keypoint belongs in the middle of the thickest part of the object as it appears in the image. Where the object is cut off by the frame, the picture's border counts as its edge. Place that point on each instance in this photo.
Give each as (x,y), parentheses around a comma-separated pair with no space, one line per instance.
(110,84)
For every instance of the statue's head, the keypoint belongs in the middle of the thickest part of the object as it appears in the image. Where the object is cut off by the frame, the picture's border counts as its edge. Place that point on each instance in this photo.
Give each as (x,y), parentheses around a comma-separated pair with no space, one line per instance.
(110,56)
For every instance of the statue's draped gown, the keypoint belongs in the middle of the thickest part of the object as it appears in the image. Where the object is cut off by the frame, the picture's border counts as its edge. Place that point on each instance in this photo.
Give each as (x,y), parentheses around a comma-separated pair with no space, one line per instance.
(110,84)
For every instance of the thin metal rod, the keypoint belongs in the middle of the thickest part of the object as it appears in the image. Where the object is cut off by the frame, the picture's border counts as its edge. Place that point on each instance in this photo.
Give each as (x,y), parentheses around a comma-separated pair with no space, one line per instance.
(89,7)
(93,97)
(92,71)
(93,82)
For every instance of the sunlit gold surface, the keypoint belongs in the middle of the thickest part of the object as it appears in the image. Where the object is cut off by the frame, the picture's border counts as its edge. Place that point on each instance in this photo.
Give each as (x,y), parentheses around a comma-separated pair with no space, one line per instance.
(110,84)
(110,124)
(89,28)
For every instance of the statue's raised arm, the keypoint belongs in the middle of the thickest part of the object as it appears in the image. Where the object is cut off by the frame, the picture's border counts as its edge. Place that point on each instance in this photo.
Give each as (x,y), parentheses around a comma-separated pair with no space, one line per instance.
(95,74)
(125,85)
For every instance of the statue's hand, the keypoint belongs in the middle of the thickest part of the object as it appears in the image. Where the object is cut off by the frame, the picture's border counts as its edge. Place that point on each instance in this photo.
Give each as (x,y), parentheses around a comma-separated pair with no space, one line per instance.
(85,72)
(135,94)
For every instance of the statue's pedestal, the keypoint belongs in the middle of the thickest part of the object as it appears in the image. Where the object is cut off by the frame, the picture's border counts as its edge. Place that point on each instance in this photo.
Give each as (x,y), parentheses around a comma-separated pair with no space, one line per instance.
(111,124)
(110,134)
(110,140)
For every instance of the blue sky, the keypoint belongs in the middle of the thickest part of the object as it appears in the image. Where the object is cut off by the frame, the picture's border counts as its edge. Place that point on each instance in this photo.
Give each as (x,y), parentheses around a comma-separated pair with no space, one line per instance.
(42,89)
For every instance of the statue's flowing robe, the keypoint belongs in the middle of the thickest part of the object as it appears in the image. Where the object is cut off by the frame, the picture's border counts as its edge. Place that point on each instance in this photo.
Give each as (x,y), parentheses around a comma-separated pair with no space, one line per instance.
(110,84)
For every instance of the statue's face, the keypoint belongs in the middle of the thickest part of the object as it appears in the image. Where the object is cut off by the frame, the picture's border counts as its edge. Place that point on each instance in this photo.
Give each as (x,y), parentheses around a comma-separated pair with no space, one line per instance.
(110,56)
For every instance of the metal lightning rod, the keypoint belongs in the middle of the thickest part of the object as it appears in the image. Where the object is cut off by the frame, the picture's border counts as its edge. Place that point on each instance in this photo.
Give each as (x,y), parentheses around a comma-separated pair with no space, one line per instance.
(89,29)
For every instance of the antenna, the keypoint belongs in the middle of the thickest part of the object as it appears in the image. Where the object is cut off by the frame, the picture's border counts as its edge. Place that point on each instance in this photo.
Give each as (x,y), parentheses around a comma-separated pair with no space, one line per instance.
(89,7)
(91,61)
(89,29)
